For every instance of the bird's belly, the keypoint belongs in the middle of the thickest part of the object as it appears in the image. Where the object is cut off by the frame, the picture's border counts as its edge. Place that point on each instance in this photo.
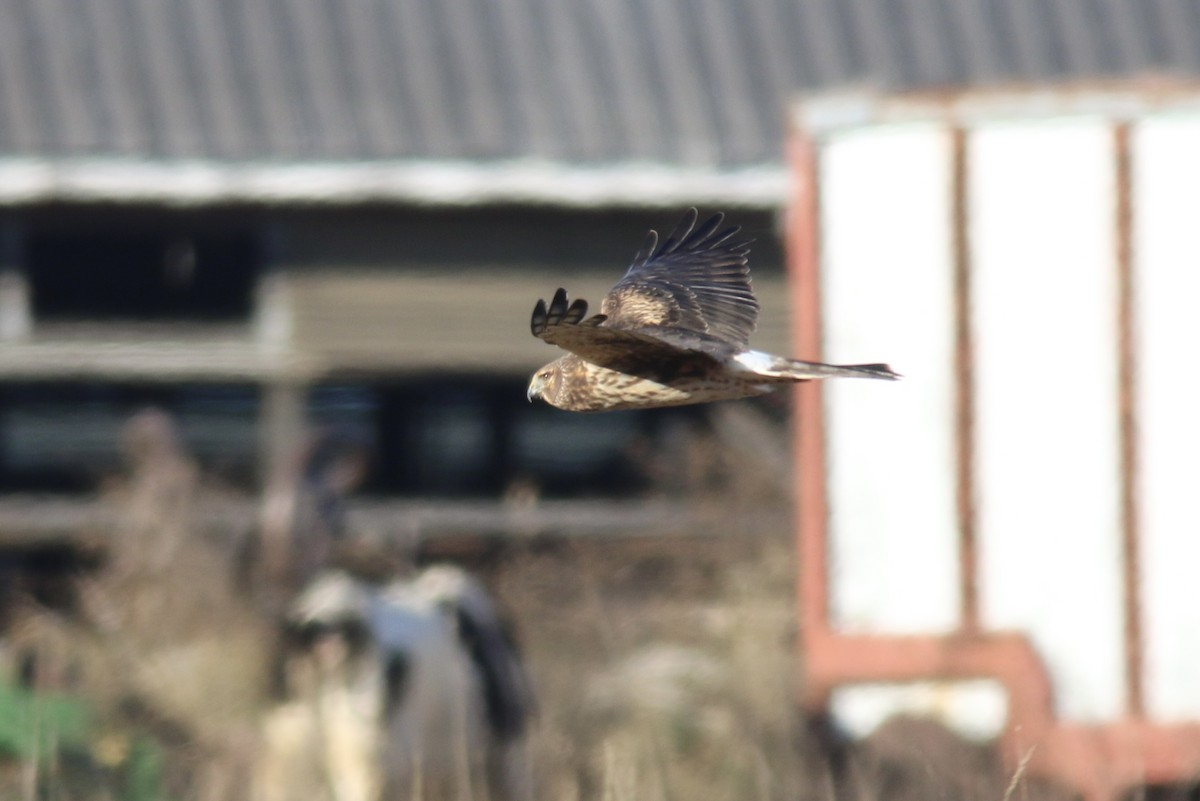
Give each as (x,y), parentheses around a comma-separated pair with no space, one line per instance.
(612,391)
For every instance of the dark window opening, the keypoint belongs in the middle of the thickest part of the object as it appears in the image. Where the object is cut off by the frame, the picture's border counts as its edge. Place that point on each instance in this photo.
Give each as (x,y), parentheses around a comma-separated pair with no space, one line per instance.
(150,275)
(481,438)
(66,437)
(447,437)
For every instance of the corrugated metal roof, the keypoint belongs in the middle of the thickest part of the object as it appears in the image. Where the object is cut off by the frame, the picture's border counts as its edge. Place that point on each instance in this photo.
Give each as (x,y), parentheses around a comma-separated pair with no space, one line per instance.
(690,84)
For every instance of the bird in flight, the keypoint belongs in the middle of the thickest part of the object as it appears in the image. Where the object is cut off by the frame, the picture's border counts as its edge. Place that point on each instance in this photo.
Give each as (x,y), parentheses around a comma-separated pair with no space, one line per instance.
(674,331)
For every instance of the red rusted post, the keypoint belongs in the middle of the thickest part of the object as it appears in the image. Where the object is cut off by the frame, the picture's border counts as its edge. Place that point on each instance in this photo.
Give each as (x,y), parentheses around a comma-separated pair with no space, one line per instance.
(803,257)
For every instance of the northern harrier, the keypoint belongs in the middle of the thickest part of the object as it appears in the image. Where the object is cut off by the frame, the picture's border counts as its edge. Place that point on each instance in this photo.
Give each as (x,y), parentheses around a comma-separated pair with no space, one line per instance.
(674,331)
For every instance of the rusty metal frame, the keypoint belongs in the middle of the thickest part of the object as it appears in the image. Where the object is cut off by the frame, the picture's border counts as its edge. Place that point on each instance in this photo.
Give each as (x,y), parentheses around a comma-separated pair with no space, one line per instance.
(1127,421)
(964,385)
(1100,761)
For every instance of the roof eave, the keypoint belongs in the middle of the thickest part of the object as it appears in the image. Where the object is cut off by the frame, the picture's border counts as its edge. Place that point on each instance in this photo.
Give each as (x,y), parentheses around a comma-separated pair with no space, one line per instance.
(27,180)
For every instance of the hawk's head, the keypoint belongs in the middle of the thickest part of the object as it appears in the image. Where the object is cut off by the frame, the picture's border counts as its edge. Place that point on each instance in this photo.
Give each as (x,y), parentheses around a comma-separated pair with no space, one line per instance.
(545,383)
(572,384)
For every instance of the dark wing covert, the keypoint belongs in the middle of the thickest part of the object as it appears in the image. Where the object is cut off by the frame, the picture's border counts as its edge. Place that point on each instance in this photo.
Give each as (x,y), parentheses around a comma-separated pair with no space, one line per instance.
(646,351)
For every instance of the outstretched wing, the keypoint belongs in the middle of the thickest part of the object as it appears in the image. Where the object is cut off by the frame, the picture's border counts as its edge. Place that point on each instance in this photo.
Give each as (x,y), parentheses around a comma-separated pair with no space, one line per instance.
(697,280)
(648,351)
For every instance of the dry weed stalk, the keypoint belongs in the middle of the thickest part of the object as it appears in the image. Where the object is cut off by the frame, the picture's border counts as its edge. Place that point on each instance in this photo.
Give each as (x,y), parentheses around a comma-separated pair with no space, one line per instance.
(191,655)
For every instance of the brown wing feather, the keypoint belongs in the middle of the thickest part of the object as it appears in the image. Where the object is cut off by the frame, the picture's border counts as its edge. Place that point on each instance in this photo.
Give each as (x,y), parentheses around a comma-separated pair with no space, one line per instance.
(650,352)
(697,280)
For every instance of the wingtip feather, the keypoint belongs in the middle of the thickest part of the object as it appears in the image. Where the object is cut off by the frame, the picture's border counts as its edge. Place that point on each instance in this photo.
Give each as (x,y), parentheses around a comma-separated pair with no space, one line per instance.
(537,323)
(558,312)
(681,233)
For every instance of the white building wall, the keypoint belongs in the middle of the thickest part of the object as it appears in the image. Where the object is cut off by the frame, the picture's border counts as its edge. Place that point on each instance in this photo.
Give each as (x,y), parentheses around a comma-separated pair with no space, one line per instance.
(887,296)
(1041,211)
(1167,275)
(1046,449)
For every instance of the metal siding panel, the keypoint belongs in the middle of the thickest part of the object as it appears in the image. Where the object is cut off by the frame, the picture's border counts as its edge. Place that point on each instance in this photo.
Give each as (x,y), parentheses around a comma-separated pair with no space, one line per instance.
(292,66)
(1033,49)
(118,127)
(887,295)
(705,122)
(830,37)
(140,80)
(427,79)
(165,89)
(283,132)
(638,132)
(1124,34)
(570,41)
(313,56)
(980,38)
(675,114)
(57,39)
(191,63)
(369,79)
(229,107)
(473,97)
(501,54)
(879,51)
(919,63)
(784,25)
(421,127)
(21,102)
(1079,37)
(588,80)
(775,74)
(895,26)
(530,95)
(1136,23)
(673,84)
(1047,454)
(1177,31)
(730,67)
(1166,173)
(936,53)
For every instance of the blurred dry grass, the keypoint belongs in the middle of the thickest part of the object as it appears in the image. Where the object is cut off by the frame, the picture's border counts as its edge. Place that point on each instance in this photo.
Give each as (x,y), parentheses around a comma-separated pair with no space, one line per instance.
(163,644)
(664,665)
(664,668)
(666,671)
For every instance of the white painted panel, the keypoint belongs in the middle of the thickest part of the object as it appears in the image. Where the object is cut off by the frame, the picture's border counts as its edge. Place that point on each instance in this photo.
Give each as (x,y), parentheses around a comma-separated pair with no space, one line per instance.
(887,296)
(976,708)
(1046,427)
(1167,270)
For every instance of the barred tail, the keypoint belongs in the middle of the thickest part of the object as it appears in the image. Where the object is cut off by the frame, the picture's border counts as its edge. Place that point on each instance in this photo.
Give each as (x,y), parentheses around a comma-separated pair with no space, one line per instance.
(782,369)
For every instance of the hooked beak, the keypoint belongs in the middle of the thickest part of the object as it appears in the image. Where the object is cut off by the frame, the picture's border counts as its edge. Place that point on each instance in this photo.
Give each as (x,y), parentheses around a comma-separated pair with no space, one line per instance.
(536,385)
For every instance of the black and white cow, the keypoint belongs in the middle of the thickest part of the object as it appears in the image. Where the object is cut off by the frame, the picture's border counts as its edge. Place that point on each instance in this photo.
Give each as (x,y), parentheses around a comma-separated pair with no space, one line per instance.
(406,690)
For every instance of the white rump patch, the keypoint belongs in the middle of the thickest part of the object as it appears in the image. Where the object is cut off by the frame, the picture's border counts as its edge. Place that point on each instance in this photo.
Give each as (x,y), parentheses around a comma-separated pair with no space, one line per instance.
(757,362)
